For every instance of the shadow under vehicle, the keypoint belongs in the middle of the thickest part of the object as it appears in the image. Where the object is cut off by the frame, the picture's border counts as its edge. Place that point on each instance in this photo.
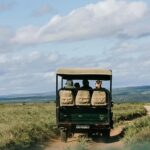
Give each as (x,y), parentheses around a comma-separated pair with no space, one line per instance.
(83,110)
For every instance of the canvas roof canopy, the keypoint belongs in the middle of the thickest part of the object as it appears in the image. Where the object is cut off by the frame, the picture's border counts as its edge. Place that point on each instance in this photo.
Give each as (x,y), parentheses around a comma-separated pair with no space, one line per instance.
(82,73)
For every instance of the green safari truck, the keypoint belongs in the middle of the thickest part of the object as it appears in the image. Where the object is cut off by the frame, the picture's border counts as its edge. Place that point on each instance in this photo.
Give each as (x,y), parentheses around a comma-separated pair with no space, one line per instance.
(83,110)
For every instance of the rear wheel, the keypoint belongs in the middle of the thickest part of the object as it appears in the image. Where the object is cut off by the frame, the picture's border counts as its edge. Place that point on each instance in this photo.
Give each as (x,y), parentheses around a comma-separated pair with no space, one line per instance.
(90,133)
(106,133)
(63,135)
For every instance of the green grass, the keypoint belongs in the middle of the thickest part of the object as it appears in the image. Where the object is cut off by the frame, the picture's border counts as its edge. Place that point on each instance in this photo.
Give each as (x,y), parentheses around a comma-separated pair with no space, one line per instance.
(23,125)
(139,131)
(127,111)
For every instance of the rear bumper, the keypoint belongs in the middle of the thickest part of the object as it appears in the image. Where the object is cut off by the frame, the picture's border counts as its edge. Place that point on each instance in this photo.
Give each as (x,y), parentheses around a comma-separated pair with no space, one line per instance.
(92,127)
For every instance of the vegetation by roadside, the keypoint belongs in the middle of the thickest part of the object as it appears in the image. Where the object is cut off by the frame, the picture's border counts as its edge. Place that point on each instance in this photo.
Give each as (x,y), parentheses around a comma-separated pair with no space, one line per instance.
(22,125)
(137,135)
(127,111)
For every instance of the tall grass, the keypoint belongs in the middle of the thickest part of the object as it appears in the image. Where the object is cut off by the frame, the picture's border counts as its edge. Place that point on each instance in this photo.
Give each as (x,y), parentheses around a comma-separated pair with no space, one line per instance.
(23,125)
(139,131)
(127,111)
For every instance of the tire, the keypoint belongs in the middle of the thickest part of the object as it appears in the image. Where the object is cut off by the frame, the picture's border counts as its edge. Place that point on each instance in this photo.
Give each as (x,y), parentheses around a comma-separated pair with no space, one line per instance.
(90,134)
(111,120)
(63,135)
(106,133)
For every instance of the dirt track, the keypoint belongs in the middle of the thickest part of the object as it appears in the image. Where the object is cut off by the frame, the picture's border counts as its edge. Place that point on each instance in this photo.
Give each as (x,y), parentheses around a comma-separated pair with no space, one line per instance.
(95,143)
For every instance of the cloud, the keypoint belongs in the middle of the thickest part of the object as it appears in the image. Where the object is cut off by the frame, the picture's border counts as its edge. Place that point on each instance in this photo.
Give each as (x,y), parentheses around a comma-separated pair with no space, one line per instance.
(6,6)
(6,33)
(44,9)
(110,18)
(34,71)
(27,72)
(30,72)
(129,61)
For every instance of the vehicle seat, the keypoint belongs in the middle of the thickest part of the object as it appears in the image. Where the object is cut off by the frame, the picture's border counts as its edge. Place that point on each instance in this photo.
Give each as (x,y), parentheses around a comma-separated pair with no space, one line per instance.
(83,98)
(66,97)
(99,98)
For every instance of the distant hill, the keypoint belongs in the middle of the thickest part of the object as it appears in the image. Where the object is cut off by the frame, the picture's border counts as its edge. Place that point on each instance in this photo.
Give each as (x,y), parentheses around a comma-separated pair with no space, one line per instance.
(126,94)
(132,94)
(35,97)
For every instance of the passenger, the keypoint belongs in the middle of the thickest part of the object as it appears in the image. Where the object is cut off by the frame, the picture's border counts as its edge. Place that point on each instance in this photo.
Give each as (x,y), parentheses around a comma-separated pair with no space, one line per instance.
(77,85)
(86,85)
(98,84)
(100,94)
(69,84)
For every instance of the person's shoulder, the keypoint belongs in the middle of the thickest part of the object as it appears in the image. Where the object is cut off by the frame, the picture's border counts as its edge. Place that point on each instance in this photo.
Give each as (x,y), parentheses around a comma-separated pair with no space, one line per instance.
(69,87)
(90,88)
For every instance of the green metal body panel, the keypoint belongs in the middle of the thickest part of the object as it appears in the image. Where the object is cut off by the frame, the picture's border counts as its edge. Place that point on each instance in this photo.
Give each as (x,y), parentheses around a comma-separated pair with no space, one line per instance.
(84,115)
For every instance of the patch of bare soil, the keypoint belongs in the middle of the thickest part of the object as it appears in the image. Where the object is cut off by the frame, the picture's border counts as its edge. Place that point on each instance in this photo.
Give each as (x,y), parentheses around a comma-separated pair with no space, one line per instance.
(147,107)
(79,141)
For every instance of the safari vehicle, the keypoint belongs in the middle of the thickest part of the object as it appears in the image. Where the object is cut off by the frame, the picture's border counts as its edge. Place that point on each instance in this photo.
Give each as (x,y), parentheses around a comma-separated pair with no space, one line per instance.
(79,111)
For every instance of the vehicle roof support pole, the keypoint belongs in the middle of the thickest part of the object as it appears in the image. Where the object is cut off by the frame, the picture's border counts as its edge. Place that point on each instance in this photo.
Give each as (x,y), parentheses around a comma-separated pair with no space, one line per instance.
(111,87)
(57,90)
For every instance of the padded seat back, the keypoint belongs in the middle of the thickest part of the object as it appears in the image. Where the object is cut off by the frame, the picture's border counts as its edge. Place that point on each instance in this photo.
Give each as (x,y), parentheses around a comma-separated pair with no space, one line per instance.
(66,98)
(83,98)
(99,98)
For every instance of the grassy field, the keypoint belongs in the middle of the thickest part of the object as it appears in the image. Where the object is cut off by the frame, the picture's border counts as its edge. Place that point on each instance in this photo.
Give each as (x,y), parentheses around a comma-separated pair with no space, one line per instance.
(22,125)
(127,111)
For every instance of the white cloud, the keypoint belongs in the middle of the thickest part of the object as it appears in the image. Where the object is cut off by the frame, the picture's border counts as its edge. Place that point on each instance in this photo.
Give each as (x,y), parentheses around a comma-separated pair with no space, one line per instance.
(104,19)
(27,72)
(6,34)
(35,71)
(129,61)
(3,59)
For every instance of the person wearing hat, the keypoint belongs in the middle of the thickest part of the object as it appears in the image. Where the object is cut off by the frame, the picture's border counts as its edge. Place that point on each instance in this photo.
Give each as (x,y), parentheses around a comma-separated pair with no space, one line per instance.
(69,84)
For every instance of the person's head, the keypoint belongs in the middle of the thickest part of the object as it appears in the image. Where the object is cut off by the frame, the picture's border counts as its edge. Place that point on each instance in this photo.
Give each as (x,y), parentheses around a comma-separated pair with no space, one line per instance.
(98,84)
(77,85)
(69,83)
(85,82)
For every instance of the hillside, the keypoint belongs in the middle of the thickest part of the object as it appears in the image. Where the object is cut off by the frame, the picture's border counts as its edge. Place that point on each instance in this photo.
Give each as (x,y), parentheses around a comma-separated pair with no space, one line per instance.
(132,94)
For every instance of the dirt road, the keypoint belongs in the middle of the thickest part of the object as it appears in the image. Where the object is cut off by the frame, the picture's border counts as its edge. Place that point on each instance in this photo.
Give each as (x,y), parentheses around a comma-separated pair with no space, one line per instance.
(96,143)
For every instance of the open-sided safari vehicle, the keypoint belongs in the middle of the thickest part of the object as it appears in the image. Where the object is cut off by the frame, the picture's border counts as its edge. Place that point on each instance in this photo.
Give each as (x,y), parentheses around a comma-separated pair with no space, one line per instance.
(83,110)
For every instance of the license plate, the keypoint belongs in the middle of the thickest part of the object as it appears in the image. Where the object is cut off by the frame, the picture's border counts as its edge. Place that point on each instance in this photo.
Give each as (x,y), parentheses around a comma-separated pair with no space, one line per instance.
(82,127)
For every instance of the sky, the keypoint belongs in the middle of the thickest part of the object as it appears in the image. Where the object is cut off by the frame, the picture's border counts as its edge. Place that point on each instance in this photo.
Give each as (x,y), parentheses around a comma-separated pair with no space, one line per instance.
(39,36)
